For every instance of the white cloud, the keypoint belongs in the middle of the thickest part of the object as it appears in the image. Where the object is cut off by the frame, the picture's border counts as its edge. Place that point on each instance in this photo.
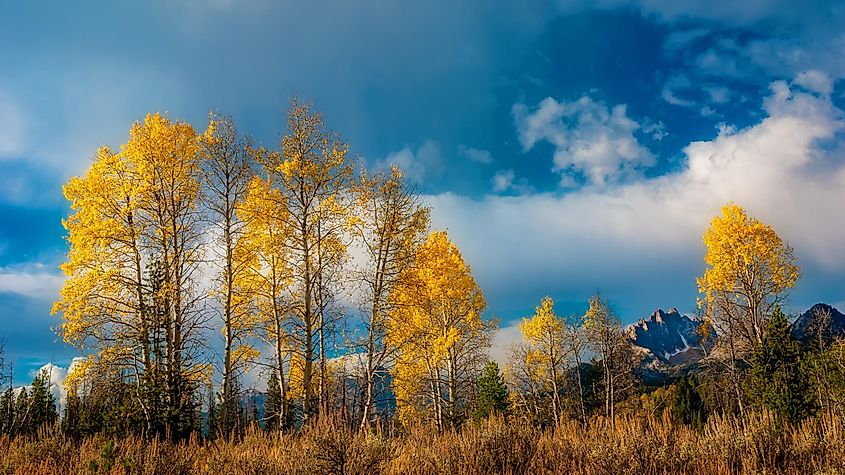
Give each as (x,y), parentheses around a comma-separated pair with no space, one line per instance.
(657,130)
(476,155)
(504,338)
(505,180)
(417,164)
(614,239)
(669,96)
(31,281)
(674,84)
(57,375)
(815,81)
(589,138)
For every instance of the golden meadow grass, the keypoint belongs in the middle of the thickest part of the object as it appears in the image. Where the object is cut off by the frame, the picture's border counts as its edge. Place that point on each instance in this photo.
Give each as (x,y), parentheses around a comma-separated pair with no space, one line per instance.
(632,446)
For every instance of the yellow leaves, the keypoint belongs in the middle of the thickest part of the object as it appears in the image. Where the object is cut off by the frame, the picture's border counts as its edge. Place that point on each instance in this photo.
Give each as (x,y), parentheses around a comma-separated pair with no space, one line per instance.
(436,296)
(244,355)
(599,321)
(544,334)
(200,373)
(77,373)
(437,313)
(262,249)
(165,156)
(296,374)
(544,325)
(744,253)
(210,136)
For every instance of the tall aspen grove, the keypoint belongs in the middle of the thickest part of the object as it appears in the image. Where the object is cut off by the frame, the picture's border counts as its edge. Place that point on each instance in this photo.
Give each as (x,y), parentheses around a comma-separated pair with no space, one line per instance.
(422,238)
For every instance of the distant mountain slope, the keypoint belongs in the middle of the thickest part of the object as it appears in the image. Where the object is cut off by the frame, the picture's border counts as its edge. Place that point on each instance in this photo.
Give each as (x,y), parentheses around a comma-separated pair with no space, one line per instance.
(822,322)
(669,337)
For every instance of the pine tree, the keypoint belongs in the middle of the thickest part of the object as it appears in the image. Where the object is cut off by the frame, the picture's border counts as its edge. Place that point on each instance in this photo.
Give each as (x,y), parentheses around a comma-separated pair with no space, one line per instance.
(21,423)
(42,402)
(778,377)
(273,408)
(687,405)
(71,416)
(7,411)
(213,417)
(492,393)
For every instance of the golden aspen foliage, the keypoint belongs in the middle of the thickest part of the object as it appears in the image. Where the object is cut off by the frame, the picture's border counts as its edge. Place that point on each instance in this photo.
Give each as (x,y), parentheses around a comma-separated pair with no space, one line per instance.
(749,268)
(546,357)
(134,235)
(606,338)
(437,326)
(263,250)
(389,224)
(313,174)
(101,298)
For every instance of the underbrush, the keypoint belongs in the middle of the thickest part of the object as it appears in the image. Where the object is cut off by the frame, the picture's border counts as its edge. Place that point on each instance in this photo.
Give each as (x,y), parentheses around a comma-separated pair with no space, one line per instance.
(757,444)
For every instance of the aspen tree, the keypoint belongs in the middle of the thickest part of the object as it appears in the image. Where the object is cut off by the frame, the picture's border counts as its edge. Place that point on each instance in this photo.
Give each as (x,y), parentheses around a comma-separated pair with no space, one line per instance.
(390,226)
(749,269)
(437,326)
(226,173)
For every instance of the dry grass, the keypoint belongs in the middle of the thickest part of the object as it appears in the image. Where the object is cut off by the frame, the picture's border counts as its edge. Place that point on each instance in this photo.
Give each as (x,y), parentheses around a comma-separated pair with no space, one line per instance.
(634,445)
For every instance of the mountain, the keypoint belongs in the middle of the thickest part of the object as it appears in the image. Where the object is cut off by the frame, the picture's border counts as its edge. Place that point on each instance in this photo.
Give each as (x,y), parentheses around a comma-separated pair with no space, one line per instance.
(821,321)
(669,338)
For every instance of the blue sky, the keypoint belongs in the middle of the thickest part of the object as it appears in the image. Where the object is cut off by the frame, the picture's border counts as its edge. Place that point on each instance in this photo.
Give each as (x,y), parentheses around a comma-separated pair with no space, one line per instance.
(568,147)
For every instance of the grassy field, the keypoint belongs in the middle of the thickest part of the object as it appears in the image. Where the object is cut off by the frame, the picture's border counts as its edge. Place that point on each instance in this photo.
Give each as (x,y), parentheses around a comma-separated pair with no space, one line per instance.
(633,446)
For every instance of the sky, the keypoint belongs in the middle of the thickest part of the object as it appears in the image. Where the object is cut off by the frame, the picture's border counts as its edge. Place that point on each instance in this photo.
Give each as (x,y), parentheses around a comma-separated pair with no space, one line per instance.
(568,147)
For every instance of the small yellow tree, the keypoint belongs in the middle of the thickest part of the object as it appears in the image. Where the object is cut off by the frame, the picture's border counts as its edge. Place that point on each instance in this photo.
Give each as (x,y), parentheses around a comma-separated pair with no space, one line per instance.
(436,325)
(263,251)
(389,225)
(606,338)
(545,333)
(749,269)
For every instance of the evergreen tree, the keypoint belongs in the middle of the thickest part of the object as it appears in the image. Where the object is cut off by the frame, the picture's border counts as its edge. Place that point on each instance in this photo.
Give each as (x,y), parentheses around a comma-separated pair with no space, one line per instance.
(70,418)
(21,424)
(687,404)
(7,411)
(228,420)
(42,402)
(213,414)
(778,378)
(273,408)
(492,393)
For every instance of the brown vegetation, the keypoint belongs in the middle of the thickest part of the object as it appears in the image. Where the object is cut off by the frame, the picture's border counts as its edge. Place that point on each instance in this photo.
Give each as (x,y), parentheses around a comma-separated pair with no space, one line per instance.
(327,446)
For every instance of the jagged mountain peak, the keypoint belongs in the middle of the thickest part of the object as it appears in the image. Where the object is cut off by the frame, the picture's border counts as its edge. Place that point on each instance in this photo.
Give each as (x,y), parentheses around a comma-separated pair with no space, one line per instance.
(671,337)
(821,321)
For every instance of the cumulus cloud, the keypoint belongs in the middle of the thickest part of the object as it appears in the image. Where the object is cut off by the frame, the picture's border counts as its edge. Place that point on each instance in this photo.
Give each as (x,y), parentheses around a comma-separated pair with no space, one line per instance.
(589,138)
(504,338)
(504,181)
(57,375)
(418,163)
(641,242)
(31,281)
(476,155)
(816,81)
